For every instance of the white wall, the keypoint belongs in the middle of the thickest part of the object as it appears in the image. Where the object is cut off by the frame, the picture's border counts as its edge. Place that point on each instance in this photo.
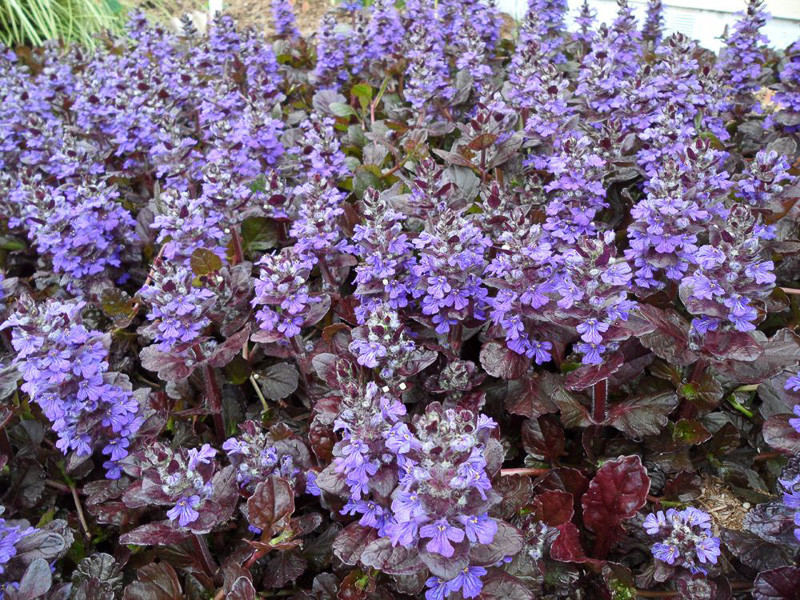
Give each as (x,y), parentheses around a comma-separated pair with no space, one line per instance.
(703,20)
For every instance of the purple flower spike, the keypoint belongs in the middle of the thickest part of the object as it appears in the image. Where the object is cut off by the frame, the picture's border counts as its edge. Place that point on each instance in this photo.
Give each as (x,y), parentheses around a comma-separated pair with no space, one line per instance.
(685,538)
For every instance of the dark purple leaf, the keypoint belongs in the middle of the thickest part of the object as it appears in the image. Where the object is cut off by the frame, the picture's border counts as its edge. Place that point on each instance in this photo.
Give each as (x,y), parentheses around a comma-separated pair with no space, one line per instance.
(567,546)
(642,415)
(501,362)
(670,336)
(782,583)
(447,568)
(705,392)
(272,501)
(102,569)
(531,396)
(160,533)
(224,353)
(773,522)
(392,560)
(753,551)
(779,434)
(284,567)
(36,581)
(574,413)
(690,431)
(781,351)
(516,492)
(543,438)
(279,381)
(507,541)
(499,585)
(732,345)
(587,375)
(616,493)
(170,367)
(554,507)
(156,581)
(351,542)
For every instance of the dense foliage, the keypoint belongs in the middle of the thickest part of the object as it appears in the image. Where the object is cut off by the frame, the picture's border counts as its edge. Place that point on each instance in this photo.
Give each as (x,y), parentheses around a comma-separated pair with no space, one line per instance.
(411,309)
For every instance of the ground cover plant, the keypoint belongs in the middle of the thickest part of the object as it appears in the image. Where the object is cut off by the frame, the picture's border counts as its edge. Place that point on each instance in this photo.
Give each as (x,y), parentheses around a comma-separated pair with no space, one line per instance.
(407,310)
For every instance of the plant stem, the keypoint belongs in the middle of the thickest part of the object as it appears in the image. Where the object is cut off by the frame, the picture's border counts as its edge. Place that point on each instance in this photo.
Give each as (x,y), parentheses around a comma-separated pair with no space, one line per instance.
(767,456)
(238,253)
(735,404)
(79,509)
(599,395)
(747,388)
(213,394)
(524,471)
(454,338)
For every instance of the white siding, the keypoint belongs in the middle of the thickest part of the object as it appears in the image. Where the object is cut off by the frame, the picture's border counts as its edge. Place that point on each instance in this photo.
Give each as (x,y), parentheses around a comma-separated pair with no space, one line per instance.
(704,20)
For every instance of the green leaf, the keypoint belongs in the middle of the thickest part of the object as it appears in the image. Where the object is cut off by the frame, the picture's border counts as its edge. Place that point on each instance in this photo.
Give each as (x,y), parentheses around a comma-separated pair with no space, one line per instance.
(238,370)
(11,243)
(365,177)
(259,184)
(363,92)
(340,109)
(259,234)
(204,262)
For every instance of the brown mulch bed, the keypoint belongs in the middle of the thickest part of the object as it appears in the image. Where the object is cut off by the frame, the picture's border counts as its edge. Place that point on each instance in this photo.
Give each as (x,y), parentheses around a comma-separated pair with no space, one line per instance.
(247,13)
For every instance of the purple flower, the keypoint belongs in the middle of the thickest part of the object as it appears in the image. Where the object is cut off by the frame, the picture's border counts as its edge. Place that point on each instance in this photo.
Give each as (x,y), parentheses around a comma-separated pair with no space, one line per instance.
(666,552)
(404,533)
(437,589)
(468,582)
(407,506)
(479,529)
(399,439)
(441,534)
(184,510)
(795,422)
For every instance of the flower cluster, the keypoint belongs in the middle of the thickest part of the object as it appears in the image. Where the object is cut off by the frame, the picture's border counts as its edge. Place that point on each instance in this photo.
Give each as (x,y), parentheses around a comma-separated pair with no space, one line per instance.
(185,224)
(653,26)
(384,253)
(82,228)
(178,308)
(685,193)
(256,455)
(65,368)
(382,343)
(428,79)
(182,480)
(284,18)
(10,536)
(743,56)
(444,493)
(788,95)
(732,278)
(452,256)
(685,538)
(767,175)
(284,301)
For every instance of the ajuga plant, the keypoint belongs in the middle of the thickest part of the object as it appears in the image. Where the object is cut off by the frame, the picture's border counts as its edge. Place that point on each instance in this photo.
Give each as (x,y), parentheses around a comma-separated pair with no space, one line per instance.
(418,307)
